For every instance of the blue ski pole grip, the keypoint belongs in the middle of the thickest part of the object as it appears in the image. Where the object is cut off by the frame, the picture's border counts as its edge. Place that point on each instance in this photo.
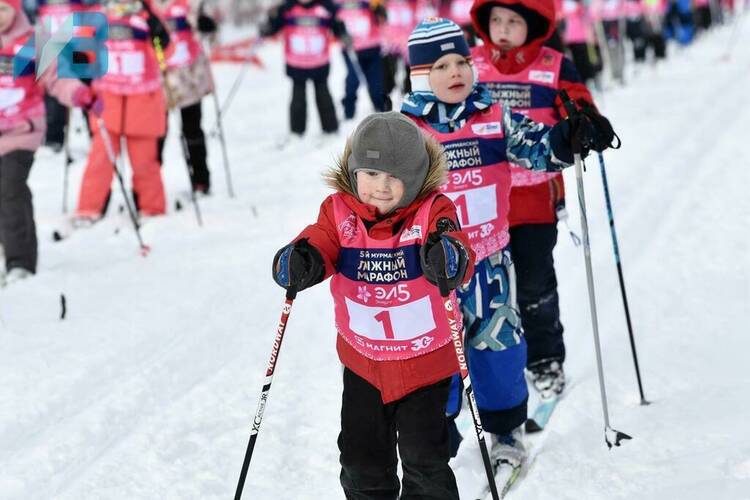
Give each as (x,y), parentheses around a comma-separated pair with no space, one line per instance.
(283,272)
(451,257)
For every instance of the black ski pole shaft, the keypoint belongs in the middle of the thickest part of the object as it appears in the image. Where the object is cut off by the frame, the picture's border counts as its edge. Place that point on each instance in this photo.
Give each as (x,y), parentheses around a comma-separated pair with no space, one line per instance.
(616,249)
(454,323)
(291,293)
(68,161)
(107,140)
(183,140)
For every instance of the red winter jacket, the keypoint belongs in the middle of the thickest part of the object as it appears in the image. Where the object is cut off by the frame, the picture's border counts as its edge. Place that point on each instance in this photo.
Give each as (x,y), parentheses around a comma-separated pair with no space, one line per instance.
(531,204)
(394,379)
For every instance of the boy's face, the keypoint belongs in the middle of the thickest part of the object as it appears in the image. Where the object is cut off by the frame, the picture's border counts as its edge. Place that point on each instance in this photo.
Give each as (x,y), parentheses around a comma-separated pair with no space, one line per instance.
(7,15)
(507,29)
(451,78)
(379,189)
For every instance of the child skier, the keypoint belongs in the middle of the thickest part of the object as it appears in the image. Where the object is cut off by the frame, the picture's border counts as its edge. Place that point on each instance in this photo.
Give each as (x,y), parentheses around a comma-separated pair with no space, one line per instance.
(383,237)
(134,108)
(522,72)
(307,26)
(189,80)
(22,125)
(363,20)
(479,140)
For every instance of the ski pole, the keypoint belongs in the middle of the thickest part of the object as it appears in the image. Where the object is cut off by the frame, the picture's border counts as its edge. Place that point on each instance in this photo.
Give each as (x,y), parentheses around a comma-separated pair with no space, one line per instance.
(616,249)
(291,293)
(609,432)
(238,80)
(454,323)
(183,140)
(617,436)
(68,160)
(107,140)
(220,128)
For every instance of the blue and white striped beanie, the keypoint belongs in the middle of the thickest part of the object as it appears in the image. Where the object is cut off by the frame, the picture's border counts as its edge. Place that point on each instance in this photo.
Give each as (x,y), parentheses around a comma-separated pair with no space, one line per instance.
(431,39)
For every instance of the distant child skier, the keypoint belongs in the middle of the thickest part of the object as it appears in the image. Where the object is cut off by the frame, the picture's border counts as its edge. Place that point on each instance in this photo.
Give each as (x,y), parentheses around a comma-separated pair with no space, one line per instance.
(134,108)
(22,125)
(520,71)
(307,26)
(363,19)
(480,140)
(387,236)
(189,79)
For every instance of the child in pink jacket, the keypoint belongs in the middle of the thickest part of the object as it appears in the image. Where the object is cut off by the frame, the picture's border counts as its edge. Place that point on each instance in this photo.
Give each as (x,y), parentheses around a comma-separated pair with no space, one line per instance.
(22,127)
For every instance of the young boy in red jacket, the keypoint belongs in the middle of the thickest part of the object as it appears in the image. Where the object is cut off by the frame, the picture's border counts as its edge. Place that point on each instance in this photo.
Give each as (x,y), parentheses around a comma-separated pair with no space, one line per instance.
(387,236)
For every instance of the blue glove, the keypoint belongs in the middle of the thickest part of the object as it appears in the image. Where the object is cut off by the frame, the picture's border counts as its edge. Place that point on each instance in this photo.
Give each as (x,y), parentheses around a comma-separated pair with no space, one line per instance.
(444,260)
(298,265)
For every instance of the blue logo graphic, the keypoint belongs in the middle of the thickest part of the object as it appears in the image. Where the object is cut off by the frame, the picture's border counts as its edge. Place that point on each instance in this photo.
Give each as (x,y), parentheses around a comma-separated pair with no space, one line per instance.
(60,45)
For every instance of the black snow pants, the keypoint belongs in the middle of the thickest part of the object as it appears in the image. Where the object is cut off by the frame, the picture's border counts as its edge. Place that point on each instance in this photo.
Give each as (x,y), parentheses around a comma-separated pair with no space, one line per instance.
(298,107)
(17,227)
(370,432)
(190,117)
(536,284)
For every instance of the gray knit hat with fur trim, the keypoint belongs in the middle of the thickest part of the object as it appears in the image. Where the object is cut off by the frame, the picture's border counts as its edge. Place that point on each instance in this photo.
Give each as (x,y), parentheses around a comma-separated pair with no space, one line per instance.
(392,143)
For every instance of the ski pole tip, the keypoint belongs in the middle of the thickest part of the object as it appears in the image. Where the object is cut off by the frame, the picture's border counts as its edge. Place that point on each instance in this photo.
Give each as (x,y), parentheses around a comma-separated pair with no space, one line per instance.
(614,435)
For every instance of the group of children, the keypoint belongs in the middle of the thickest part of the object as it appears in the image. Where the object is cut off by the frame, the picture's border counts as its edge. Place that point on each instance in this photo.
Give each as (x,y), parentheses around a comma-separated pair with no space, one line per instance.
(461,189)
(127,103)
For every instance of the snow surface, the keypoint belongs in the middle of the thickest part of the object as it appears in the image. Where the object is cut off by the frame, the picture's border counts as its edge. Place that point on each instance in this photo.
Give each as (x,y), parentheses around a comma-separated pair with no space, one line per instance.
(147,388)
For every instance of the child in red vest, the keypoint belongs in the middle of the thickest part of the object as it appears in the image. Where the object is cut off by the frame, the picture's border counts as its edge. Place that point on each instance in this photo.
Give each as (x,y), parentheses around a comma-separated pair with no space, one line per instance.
(307,26)
(386,237)
(481,139)
(134,108)
(22,127)
(189,79)
(519,70)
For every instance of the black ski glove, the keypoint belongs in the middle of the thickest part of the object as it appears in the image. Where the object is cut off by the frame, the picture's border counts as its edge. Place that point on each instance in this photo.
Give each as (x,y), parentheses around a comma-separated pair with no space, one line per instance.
(574,132)
(156,27)
(444,259)
(298,265)
(602,133)
(206,24)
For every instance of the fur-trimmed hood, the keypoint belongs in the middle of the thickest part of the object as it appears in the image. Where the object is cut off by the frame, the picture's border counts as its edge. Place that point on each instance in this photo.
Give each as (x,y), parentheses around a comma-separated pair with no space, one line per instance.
(337,178)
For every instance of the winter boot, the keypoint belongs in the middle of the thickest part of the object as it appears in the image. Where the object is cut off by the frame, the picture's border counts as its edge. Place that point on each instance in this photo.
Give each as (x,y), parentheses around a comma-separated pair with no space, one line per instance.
(547,376)
(508,449)
(16,274)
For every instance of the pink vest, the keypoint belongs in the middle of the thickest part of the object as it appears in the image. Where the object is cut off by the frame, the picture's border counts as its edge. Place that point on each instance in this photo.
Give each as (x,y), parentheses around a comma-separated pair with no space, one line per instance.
(384,306)
(457,11)
(531,92)
(133,68)
(478,179)
(20,98)
(186,47)
(360,23)
(607,10)
(306,36)
(633,8)
(577,23)
(401,21)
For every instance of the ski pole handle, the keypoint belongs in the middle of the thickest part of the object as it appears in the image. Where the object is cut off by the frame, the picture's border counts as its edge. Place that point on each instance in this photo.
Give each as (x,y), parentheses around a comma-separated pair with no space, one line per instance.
(280,329)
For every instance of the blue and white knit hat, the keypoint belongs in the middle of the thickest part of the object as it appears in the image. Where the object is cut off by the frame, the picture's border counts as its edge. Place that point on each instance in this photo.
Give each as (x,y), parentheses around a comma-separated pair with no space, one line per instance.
(431,39)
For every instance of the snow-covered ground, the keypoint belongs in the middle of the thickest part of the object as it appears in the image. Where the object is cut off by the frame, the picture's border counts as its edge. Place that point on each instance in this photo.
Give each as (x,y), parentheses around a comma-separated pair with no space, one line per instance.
(147,388)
